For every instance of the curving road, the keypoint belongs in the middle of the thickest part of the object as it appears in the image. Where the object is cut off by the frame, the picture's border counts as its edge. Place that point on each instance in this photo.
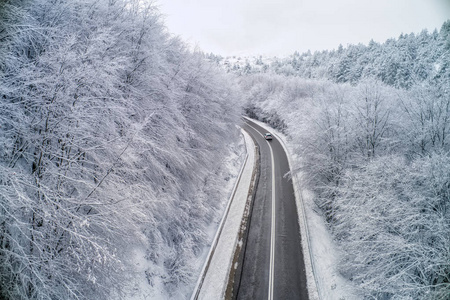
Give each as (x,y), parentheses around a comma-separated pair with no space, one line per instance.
(273,266)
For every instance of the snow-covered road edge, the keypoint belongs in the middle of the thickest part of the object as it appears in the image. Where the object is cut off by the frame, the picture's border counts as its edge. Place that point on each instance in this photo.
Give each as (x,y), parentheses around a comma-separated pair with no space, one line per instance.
(213,280)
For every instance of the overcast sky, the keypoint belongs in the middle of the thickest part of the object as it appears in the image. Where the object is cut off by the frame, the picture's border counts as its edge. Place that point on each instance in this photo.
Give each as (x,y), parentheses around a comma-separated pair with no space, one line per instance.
(280,27)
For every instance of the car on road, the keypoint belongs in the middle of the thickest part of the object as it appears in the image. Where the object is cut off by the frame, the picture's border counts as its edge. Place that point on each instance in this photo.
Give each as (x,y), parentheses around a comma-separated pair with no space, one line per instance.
(268,136)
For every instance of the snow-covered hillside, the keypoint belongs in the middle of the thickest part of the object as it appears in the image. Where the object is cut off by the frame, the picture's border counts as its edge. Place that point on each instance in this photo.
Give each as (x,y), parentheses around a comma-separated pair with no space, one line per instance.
(402,62)
(113,137)
(377,161)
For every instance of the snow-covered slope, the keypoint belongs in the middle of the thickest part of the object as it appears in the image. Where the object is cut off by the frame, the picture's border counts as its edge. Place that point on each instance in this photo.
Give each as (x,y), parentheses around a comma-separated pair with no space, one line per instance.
(375,161)
(113,138)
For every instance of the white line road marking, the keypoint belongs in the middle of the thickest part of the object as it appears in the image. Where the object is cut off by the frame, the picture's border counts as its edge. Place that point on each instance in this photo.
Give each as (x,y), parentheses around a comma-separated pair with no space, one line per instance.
(272,231)
(272,240)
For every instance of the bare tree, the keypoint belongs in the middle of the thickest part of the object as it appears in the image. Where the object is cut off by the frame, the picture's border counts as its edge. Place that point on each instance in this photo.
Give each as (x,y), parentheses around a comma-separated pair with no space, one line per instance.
(372,117)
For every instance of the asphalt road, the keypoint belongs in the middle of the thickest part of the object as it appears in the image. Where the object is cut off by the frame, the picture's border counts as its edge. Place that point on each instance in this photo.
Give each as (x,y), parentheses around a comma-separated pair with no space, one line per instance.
(273,265)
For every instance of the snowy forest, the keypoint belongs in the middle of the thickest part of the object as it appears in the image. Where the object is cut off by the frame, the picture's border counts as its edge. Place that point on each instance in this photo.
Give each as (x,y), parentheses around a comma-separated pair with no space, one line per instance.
(371,130)
(113,135)
(402,62)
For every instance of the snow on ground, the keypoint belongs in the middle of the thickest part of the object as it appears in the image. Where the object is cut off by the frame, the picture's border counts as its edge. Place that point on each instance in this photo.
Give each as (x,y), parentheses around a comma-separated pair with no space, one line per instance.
(216,279)
(324,253)
(141,289)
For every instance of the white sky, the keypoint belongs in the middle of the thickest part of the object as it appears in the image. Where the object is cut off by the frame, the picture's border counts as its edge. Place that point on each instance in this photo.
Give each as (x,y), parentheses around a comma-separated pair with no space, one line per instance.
(280,27)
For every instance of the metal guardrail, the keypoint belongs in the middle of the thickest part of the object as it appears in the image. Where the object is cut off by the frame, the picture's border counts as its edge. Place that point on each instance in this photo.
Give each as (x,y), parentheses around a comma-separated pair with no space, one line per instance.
(205,268)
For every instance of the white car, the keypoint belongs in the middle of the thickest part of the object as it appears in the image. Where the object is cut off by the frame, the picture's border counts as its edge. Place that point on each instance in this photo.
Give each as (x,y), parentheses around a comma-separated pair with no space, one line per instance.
(268,136)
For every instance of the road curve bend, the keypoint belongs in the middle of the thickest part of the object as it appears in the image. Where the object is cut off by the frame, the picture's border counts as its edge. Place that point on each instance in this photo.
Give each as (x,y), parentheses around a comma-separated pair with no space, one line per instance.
(273,265)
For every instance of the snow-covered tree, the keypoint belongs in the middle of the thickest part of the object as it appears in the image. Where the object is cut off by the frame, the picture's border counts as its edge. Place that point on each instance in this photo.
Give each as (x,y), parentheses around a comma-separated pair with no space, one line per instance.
(111,135)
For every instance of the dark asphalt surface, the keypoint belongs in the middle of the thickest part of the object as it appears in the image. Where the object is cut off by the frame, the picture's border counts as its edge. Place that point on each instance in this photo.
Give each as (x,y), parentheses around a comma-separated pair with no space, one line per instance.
(289,271)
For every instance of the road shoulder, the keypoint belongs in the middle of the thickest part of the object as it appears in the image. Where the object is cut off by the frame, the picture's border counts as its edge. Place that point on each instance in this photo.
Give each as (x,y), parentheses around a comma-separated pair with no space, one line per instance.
(214,285)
